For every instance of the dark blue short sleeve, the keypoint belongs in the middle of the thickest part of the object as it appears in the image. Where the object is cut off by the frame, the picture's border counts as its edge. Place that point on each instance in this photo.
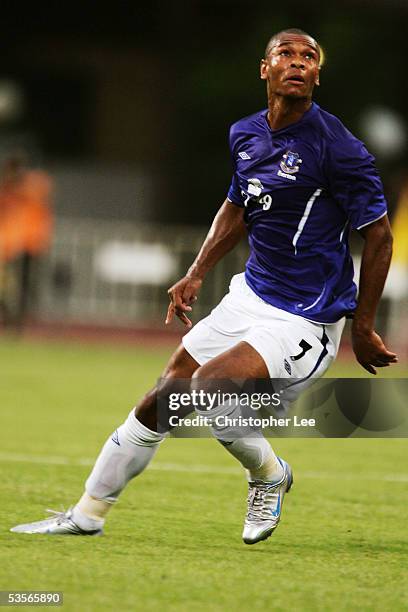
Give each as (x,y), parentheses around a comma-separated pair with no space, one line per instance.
(354,182)
(234,192)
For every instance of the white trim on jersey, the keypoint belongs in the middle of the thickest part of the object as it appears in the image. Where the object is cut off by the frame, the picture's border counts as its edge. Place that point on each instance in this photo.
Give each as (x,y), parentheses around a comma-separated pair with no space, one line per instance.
(316,300)
(306,214)
(370,222)
(343,230)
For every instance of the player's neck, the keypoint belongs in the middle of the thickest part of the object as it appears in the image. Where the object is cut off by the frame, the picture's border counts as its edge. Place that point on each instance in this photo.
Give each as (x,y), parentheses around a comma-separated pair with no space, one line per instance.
(284,111)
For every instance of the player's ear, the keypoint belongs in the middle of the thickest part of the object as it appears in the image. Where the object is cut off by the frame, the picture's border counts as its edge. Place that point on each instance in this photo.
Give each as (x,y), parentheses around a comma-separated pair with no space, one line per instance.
(317,79)
(263,69)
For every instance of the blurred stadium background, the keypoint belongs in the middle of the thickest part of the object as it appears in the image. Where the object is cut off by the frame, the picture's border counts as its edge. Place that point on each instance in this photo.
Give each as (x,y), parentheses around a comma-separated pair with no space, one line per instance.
(127,108)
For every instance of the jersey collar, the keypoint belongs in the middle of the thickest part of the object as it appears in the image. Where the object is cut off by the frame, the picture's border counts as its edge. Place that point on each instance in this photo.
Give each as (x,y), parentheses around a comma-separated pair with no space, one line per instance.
(309,114)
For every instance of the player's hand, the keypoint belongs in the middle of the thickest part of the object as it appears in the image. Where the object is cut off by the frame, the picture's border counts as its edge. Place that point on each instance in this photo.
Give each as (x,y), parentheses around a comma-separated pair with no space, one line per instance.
(182,295)
(371,351)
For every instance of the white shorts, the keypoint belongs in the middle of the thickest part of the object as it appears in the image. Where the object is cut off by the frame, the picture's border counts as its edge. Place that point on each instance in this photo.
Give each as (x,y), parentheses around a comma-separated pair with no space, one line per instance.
(293,348)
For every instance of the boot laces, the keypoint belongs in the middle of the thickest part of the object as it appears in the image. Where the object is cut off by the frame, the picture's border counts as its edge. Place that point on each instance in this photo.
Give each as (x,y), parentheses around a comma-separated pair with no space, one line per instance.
(261,497)
(60,515)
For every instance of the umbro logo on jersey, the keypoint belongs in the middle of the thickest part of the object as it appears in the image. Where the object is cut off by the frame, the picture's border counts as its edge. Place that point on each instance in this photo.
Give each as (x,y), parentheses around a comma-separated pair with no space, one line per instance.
(244,155)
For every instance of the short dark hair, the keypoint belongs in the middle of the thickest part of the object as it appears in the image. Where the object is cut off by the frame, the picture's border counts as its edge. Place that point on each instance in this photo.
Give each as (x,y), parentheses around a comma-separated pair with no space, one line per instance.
(298,31)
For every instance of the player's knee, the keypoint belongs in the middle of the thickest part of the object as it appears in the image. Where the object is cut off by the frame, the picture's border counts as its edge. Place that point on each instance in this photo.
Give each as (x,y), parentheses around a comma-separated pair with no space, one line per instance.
(208,371)
(200,378)
(206,379)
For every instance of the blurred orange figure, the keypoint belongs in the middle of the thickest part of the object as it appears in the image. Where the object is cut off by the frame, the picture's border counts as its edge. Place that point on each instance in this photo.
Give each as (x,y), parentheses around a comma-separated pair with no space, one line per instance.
(25,229)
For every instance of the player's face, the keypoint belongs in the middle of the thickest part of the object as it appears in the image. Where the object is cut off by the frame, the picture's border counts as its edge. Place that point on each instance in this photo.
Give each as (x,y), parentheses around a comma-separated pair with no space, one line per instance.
(291,68)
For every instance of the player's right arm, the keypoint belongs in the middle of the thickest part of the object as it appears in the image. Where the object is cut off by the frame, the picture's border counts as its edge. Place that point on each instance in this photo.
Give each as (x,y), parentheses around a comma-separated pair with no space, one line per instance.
(227,229)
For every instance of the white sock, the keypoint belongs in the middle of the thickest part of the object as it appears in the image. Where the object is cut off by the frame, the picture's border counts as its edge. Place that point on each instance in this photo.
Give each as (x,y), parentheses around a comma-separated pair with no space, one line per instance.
(246,443)
(89,513)
(256,455)
(125,455)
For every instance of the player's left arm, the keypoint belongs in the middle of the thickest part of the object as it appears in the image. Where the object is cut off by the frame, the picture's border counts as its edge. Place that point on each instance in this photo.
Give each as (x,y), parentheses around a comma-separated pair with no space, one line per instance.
(368,346)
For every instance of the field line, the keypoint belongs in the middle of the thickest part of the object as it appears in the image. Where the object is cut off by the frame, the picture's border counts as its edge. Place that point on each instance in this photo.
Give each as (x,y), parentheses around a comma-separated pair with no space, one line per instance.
(192,467)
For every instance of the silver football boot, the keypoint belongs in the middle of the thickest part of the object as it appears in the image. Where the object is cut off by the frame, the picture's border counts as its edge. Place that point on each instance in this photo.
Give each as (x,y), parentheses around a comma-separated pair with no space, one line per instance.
(265,505)
(59,524)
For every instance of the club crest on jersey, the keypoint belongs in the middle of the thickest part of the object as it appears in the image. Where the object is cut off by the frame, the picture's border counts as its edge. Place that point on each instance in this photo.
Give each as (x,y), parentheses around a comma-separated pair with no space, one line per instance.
(290,163)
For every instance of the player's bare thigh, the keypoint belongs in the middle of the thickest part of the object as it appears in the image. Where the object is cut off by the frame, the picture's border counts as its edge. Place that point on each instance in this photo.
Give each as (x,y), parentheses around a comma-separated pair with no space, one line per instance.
(240,361)
(181,365)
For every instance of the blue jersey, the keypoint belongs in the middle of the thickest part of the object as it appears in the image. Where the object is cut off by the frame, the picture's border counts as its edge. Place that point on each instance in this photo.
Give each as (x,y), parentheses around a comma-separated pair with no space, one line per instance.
(303,188)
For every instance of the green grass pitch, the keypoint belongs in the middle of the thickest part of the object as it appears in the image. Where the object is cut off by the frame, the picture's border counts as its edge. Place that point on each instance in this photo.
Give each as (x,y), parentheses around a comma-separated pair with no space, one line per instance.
(174,540)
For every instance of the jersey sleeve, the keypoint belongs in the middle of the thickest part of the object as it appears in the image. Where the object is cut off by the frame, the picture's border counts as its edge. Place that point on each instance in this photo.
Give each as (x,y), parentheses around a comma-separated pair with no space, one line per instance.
(355,183)
(234,191)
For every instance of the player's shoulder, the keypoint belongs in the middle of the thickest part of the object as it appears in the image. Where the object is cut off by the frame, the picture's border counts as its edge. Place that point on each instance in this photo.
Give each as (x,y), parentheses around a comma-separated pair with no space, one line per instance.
(248,125)
(335,133)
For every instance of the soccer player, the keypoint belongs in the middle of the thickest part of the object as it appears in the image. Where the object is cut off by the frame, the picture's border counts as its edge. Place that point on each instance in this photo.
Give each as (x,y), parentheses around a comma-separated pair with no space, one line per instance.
(301,182)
